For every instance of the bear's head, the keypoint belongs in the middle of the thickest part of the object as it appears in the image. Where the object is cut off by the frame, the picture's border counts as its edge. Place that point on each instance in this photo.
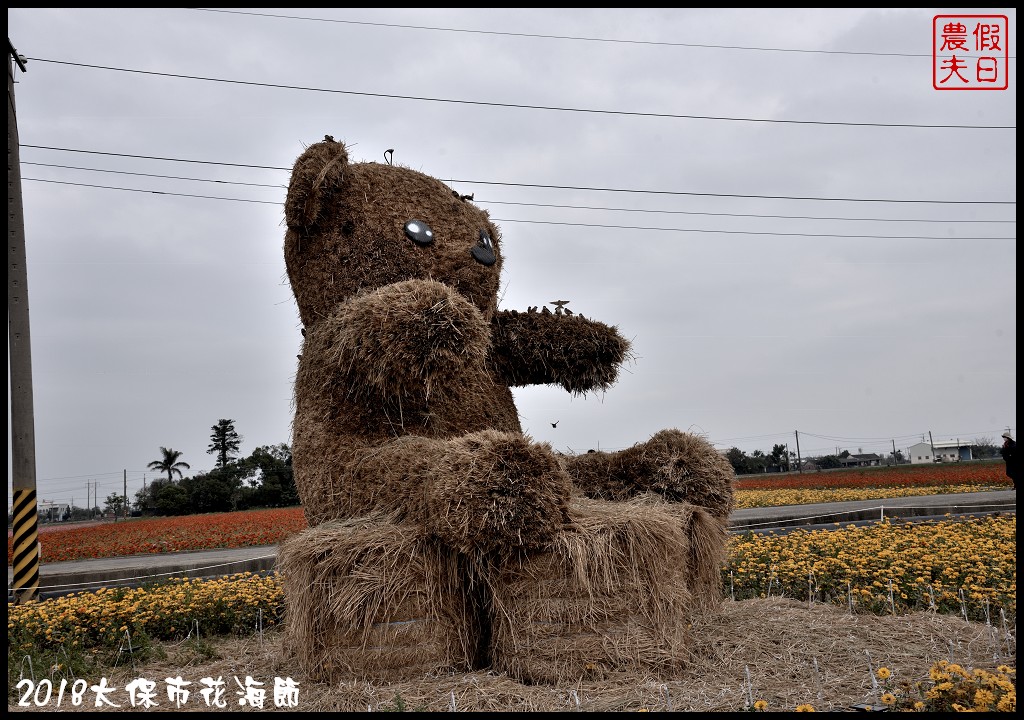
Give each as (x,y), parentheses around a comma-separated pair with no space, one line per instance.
(355,227)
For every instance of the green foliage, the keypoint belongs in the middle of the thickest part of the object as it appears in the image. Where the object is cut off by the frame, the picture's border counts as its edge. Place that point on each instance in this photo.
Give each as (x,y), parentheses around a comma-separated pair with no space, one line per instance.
(170,499)
(194,649)
(114,503)
(211,492)
(264,479)
(224,442)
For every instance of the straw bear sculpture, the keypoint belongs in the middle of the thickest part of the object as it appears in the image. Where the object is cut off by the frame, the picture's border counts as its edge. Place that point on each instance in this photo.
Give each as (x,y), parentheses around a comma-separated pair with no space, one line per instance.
(442,538)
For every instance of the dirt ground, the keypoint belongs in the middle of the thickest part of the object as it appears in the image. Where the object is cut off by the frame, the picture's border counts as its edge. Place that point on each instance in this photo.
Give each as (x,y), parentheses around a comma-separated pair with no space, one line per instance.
(779,650)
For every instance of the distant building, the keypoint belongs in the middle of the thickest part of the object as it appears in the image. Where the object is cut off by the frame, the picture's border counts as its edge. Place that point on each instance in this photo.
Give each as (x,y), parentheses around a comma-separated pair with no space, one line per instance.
(863,460)
(53,512)
(945,451)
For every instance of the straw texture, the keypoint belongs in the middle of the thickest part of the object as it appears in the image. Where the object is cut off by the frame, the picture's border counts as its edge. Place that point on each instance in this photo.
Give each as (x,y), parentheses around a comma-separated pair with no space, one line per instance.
(411,461)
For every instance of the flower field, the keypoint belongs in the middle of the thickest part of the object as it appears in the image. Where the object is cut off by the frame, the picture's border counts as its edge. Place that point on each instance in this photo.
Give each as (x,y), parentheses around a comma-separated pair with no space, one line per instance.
(979,475)
(957,567)
(139,536)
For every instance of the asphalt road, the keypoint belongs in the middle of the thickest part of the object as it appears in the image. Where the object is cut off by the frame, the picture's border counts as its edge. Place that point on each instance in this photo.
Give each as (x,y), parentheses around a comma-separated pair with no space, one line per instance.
(60,578)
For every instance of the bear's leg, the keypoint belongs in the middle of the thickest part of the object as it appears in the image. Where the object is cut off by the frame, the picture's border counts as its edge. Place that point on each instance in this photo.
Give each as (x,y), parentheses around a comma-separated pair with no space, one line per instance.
(679,466)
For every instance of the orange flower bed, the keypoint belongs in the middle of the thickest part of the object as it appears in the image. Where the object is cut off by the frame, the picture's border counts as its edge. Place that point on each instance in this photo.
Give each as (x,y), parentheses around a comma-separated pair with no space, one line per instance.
(973,473)
(139,536)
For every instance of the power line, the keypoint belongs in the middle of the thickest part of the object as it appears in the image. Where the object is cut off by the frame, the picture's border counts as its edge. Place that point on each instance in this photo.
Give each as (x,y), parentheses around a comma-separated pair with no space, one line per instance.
(157,192)
(520,106)
(484,201)
(746,232)
(735,195)
(567,224)
(154,175)
(568,37)
(559,187)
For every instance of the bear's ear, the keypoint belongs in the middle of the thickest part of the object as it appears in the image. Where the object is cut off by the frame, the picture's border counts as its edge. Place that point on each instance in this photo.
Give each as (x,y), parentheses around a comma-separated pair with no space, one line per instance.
(318,172)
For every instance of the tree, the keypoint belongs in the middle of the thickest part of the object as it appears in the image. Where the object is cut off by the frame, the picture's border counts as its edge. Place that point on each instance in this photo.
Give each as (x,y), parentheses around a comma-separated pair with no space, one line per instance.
(984,447)
(171,499)
(274,484)
(738,459)
(224,441)
(169,463)
(114,504)
(213,491)
(778,457)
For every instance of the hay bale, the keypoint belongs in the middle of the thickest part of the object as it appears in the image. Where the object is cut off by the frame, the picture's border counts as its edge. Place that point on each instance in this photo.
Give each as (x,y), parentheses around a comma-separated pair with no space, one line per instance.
(611,596)
(371,599)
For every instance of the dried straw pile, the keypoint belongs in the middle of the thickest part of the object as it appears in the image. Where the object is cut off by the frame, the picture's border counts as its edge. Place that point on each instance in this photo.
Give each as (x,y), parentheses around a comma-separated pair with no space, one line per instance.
(612,597)
(372,599)
(614,594)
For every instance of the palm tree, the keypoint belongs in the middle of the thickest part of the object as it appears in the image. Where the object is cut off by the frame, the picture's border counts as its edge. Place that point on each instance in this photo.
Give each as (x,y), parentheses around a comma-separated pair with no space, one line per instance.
(169,464)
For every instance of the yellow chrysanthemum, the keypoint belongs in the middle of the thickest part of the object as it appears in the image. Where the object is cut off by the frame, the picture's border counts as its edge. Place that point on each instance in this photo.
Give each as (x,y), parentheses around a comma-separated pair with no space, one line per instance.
(884,673)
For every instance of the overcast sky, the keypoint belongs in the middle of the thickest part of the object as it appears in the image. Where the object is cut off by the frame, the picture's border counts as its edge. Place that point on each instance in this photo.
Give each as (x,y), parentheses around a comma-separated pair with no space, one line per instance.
(797,232)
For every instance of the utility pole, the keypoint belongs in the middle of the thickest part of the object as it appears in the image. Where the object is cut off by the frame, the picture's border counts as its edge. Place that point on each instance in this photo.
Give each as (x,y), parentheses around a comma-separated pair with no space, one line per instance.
(932,443)
(799,464)
(25,509)
(895,459)
(125,495)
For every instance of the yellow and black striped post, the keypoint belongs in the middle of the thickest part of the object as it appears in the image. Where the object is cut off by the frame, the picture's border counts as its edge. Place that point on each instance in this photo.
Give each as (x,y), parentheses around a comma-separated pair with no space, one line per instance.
(26,547)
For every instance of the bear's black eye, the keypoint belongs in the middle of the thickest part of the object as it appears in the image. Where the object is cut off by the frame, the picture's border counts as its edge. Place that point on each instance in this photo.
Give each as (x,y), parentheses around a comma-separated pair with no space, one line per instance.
(483,251)
(419,232)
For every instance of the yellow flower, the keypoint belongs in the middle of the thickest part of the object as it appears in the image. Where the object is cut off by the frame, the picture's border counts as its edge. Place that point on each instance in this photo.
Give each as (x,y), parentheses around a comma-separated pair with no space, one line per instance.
(884,673)
(806,707)
(983,699)
(888,699)
(761,705)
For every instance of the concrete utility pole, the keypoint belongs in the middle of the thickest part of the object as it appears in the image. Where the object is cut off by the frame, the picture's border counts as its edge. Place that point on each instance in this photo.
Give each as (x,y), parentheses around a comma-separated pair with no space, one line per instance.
(25,563)
(799,464)
(932,443)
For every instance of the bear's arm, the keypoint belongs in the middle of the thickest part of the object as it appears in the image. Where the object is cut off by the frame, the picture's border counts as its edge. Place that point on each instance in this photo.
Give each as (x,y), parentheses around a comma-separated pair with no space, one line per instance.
(411,338)
(548,349)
